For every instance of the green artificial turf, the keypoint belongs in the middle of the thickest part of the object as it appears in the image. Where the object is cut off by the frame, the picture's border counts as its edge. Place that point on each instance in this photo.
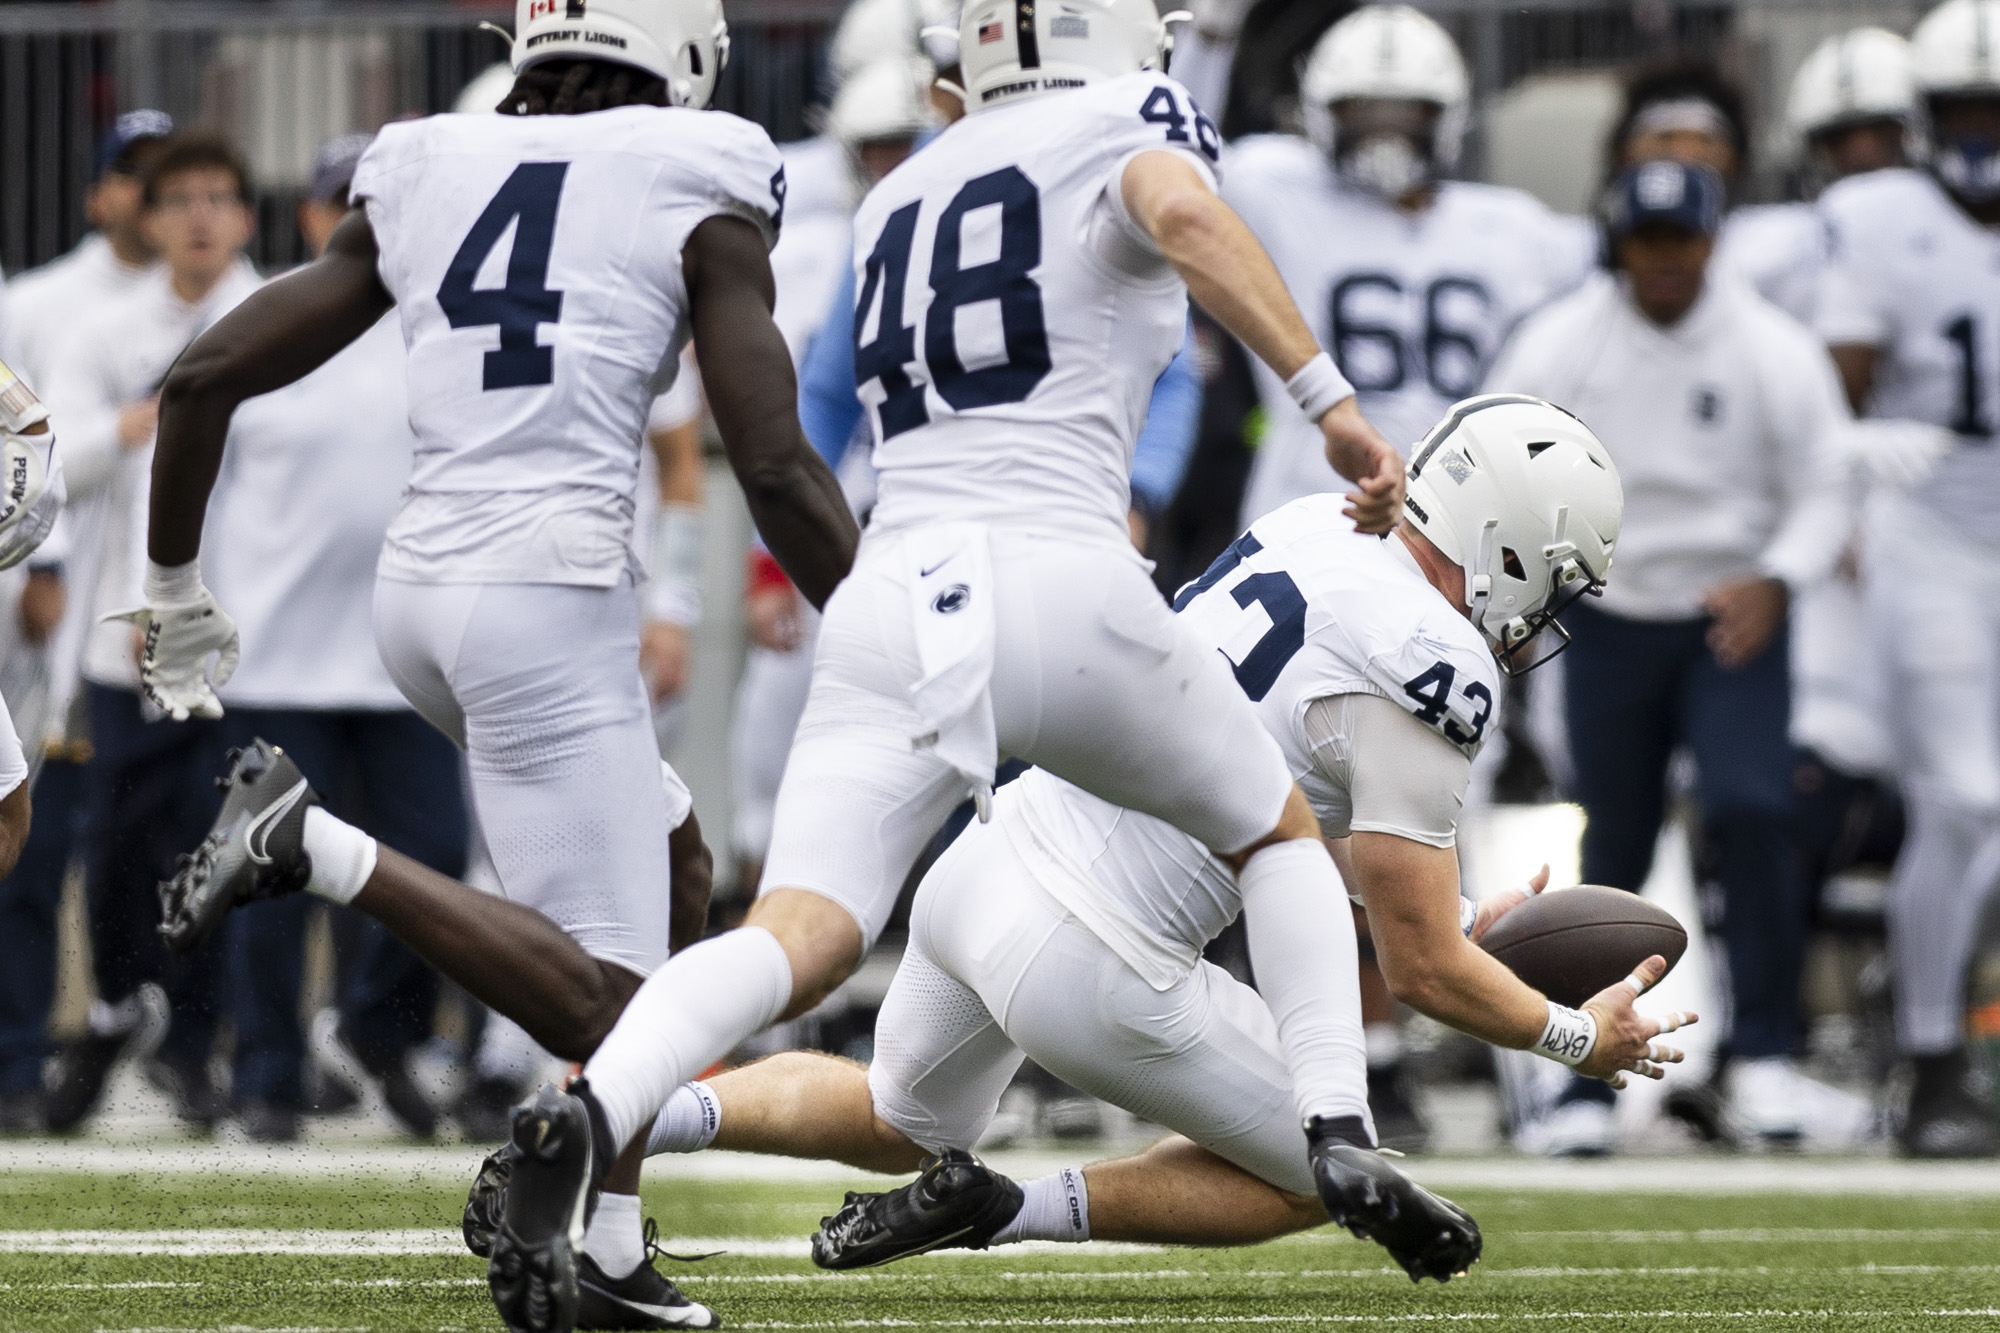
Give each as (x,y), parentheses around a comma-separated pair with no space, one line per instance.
(1553,1261)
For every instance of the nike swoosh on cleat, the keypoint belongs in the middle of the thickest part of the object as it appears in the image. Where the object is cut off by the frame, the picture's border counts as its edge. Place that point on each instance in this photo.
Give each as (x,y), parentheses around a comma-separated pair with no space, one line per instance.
(257,838)
(692,1314)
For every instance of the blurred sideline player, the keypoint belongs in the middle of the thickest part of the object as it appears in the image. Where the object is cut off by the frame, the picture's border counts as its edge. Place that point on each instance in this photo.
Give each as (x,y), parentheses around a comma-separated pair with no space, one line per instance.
(30,504)
(548,264)
(40,305)
(1907,306)
(1379,702)
(1852,109)
(997,606)
(1428,277)
(147,792)
(311,479)
(1410,280)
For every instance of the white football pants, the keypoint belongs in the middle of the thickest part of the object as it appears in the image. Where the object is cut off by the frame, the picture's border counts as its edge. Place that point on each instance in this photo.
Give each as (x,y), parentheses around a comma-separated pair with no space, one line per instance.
(539,684)
(1094,678)
(997,968)
(769,700)
(1935,599)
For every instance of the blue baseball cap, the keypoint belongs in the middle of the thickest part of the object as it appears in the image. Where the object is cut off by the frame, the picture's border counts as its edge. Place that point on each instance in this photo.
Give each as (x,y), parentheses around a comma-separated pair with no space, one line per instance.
(1688,197)
(333,169)
(133,127)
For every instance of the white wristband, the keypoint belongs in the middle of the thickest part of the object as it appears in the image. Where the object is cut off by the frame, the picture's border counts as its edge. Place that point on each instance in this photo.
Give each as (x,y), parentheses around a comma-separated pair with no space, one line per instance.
(1569,1038)
(173,585)
(1318,387)
(673,593)
(1468,916)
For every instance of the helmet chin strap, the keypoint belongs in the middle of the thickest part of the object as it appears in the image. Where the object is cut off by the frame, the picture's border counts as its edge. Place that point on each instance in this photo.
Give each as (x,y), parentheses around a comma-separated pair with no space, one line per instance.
(1478,582)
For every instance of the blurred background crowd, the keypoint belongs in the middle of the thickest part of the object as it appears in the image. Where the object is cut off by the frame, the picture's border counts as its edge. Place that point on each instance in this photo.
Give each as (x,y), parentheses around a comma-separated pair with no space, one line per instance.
(1783,721)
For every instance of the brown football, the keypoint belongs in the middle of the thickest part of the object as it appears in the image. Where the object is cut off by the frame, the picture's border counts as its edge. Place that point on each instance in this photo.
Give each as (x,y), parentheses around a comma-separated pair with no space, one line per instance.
(1571,943)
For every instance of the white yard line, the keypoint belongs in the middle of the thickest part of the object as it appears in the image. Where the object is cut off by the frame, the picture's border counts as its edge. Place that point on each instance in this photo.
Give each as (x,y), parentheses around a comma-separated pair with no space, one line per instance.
(457,1164)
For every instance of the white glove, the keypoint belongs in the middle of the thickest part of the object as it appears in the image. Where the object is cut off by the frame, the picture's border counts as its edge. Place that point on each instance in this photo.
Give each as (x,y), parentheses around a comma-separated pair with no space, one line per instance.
(1902,454)
(31,484)
(31,494)
(183,626)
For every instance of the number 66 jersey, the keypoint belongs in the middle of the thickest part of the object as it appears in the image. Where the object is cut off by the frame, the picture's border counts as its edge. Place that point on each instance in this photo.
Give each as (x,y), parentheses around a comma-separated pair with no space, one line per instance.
(1010,316)
(536,266)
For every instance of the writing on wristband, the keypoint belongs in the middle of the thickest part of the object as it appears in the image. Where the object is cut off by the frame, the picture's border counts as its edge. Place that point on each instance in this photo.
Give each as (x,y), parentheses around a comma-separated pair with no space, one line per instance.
(1569,1038)
(1318,386)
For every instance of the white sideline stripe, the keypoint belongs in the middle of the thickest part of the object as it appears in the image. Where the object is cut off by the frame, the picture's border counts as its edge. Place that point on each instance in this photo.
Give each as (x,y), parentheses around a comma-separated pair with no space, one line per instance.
(1144,1275)
(438,1241)
(1147,1321)
(1572,1316)
(347,1159)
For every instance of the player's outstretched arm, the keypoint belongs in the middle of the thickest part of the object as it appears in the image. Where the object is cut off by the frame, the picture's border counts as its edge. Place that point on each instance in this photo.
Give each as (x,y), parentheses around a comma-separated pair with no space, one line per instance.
(281,334)
(1230,275)
(746,370)
(1411,891)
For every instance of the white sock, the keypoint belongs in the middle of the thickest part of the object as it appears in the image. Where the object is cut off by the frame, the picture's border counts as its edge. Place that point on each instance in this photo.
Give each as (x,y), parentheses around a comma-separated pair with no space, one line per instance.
(1302,946)
(343,857)
(697,1008)
(617,1236)
(688,1122)
(1385,1044)
(1055,1207)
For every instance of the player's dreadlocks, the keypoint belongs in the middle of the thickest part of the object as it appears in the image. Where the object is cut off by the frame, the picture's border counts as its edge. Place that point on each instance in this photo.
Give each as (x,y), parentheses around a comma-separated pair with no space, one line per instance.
(573,87)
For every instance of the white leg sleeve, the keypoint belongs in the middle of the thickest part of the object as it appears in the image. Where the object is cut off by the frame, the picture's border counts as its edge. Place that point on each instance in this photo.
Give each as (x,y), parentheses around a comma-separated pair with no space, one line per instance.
(1302,945)
(689,1014)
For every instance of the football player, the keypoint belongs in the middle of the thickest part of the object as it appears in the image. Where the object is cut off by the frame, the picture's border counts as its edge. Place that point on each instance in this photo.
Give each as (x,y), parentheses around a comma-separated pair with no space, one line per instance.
(1908,306)
(1411,280)
(547,264)
(1071,931)
(1022,284)
(1852,109)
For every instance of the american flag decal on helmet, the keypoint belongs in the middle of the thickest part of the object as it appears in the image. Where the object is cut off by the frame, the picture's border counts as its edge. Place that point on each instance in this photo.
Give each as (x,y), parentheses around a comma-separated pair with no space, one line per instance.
(991,32)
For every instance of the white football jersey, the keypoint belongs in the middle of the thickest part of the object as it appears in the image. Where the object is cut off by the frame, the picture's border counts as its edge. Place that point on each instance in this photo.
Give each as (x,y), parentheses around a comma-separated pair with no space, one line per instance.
(1304,608)
(536,264)
(1010,317)
(1780,250)
(1412,307)
(1913,276)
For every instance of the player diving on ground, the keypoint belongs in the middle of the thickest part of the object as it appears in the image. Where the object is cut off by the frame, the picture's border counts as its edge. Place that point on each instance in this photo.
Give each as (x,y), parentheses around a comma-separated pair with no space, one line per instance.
(1070,931)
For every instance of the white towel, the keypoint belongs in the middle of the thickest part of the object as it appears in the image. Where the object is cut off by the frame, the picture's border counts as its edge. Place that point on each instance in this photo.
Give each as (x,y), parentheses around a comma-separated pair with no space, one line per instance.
(951,611)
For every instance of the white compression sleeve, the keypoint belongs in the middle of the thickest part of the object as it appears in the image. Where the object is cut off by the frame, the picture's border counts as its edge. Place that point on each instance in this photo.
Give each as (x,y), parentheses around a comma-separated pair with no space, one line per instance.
(1303,949)
(693,1011)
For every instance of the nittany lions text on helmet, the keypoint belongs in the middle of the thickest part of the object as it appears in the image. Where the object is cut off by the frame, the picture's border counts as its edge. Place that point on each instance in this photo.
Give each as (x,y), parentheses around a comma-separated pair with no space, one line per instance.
(1527,501)
(1010,49)
(684,42)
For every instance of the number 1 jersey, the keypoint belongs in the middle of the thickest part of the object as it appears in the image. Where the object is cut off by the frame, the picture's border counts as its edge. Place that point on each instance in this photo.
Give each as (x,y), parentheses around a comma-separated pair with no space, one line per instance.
(1914,277)
(536,266)
(1010,316)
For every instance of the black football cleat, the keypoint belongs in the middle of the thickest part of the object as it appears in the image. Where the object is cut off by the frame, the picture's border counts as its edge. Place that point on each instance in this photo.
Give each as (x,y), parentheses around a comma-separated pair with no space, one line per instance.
(486,1201)
(563,1150)
(1427,1235)
(957,1203)
(254,850)
(640,1299)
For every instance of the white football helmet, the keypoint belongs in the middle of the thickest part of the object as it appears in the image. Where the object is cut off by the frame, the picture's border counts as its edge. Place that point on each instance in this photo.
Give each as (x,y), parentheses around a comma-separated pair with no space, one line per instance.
(1011,49)
(1955,51)
(1387,53)
(889,99)
(684,42)
(1859,75)
(483,94)
(1527,501)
